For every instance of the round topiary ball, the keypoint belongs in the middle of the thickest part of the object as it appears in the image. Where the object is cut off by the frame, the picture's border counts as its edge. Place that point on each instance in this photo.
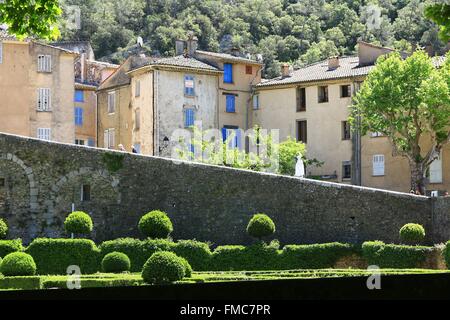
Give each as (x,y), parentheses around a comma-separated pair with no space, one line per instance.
(412,233)
(3,229)
(260,226)
(116,262)
(155,224)
(162,267)
(18,264)
(78,222)
(187,267)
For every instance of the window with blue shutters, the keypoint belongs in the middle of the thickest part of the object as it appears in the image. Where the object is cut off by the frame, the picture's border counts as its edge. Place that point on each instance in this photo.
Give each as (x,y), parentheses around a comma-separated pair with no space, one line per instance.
(227,73)
(189,86)
(78,116)
(232,136)
(91,142)
(79,96)
(189,117)
(230,103)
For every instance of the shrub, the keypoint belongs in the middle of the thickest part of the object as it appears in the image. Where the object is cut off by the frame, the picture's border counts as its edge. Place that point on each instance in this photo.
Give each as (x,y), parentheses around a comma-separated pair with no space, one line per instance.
(260,226)
(8,246)
(3,229)
(116,262)
(163,267)
(196,253)
(155,224)
(22,283)
(394,256)
(138,251)
(187,267)
(79,223)
(53,256)
(412,233)
(18,264)
(446,254)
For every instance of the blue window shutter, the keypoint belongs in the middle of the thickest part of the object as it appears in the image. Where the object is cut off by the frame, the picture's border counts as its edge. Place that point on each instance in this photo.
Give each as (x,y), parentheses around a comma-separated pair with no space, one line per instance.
(91,142)
(79,96)
(228,73)
(81,116)
(224,134)
(238,138)
(78,116)
(189,117)
(189,91)
(230,103)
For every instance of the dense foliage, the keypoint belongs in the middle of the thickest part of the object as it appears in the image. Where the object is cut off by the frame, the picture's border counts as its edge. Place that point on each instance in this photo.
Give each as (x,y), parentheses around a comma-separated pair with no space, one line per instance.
(8,246)
(3,229)
(260,226)
(115,262)
(281,30)
(197,253)
(78,222)
(155,224)
(412,233)
(162,267)
(18,264)
(440,13)
(394,256)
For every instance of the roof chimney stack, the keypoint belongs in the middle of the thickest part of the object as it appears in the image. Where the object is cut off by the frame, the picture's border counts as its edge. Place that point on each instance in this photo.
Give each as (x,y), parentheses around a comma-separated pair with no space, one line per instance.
(179,47)
(285,70)
(333,63)
(192,44)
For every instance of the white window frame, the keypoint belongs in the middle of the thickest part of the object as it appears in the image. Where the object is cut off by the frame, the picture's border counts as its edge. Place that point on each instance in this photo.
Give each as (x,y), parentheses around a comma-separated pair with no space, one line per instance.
(378,165)
(137,89)
(44,63)
(44,134)
(376,134)
(109,138)
(436,174)
(111,105)
(256,102)
(44,100)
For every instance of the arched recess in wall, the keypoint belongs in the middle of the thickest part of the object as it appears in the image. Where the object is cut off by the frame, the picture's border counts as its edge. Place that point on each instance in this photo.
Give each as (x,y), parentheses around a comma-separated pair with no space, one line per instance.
(18,196)
(91,190)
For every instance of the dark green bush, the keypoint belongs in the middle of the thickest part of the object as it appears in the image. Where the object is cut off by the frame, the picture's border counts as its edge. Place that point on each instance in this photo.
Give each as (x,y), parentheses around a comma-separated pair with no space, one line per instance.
(155,224)
(137,250)
(78,223)
(394,256)
(3,229)
(18,264)
(196,253)
(412,233)
(22,283)
(260,226)
(162,267)
(187,267)
(53,256)
(8,246)
(446,254)
(116,262)
(313,256)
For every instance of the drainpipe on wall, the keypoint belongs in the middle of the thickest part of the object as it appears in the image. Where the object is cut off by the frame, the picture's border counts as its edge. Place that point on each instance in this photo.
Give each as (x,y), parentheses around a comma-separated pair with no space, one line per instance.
(356,147)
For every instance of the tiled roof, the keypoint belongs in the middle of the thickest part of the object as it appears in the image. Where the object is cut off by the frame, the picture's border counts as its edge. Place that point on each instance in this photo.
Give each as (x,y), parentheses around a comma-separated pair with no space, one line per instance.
(227,57)
(184,62)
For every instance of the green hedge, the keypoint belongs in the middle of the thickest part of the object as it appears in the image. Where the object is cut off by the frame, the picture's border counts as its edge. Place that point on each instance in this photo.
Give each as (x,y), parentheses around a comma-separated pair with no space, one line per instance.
(314,256)
(195,252)
(446,254)
(394,256)
(53,256)
(9,246)
(137,250)
(22,283)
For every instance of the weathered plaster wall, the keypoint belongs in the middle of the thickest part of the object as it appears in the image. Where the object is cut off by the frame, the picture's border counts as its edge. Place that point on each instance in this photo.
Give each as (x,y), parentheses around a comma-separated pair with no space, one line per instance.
(208,203)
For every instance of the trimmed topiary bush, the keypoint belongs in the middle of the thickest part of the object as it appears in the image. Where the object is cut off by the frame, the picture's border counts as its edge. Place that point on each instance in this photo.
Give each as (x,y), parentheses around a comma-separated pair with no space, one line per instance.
(412,233)
(78,222)
(260,226)
(155,224)
(8,246)
(116,262)
(18,264)
(197,253)
(446,254)
(187,267)
(3,229)
(163,267)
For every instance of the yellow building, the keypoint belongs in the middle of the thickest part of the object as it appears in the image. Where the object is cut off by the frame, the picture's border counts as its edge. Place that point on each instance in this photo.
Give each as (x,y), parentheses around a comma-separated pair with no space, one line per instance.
(311,105)
(36,89)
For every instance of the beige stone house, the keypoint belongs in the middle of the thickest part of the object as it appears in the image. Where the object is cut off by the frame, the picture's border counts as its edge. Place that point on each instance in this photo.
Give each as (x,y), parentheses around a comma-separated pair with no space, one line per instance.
(36,89)
(311,105)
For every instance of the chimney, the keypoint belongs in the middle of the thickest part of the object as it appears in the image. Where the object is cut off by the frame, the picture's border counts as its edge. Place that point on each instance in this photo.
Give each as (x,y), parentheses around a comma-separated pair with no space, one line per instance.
(192,44)
(179,47)
(285,70)
(333,63)
(235,52)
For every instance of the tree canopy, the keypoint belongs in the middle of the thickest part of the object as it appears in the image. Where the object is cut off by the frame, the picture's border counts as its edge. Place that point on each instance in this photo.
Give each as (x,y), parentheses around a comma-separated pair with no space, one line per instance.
(440,13)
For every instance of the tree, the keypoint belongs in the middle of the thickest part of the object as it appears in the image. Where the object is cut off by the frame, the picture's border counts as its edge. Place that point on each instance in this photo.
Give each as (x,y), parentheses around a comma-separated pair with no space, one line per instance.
(31,17)
(407,100)
(440,13)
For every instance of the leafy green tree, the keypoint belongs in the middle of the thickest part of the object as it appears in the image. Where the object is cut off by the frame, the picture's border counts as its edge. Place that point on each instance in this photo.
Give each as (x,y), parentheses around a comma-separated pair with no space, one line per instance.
(440,13)
(407,100)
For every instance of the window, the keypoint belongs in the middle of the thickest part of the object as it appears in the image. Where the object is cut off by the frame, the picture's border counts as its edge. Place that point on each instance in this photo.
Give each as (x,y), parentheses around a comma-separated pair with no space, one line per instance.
(323,94)
(378,165)
(137,89)
(189,85)
(228,73)
(137,147)
(44,133)
(376,134)
(109,138)
(79,116)
(256,102)
(436,170)
(346,91)
(79,96)
(232,134)
(346,131)
(301,99)
(137,119)
(85,192)
(79,142)
(230,103)
(302,134)
(44,99)
(346,170)
(91,142)
(248,70)
(189,117)
(44,63)
(1,52)
(111,102)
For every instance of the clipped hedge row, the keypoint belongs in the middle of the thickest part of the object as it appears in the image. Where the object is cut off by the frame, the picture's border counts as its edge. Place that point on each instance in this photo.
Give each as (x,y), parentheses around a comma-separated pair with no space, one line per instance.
(53,256)
(9,246)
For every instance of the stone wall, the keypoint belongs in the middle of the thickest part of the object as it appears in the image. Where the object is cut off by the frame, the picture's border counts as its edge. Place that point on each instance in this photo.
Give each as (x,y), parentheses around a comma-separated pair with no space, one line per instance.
(208,203)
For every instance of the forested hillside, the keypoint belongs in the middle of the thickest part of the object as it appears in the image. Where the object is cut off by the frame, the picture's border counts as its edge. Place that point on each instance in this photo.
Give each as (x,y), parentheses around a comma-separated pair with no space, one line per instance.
(296,31)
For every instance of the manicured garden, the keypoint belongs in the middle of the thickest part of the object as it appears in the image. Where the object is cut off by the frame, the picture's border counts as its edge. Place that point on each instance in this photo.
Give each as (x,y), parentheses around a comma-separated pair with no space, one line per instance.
(157,259)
